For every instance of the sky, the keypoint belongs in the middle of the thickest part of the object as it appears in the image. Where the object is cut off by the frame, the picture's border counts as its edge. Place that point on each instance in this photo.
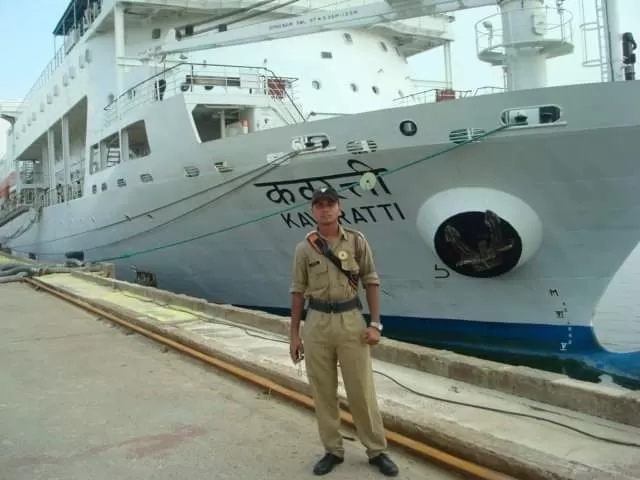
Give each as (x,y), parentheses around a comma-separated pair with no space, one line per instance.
(27,47)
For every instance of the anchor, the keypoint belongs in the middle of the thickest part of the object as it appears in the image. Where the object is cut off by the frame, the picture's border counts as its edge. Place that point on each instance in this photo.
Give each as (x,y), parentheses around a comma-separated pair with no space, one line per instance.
(488,253)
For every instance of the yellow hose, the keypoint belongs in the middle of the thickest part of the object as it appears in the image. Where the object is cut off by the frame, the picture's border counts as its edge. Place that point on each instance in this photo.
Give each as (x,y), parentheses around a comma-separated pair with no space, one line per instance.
(433,454)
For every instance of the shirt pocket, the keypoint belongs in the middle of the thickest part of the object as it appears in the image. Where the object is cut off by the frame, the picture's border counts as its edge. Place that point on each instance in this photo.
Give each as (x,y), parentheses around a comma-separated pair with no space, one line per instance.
(318,273)
(350,263)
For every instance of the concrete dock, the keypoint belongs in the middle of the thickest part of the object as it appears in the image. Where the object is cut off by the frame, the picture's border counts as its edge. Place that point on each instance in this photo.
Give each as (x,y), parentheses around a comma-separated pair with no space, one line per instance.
(84,400)
(502,425)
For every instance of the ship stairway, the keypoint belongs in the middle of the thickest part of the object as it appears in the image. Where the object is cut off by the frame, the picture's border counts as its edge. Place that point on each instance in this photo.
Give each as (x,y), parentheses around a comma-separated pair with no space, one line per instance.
(290,111)
(13,214)
(287,100)
(294,114)
(113,156)
(26,173)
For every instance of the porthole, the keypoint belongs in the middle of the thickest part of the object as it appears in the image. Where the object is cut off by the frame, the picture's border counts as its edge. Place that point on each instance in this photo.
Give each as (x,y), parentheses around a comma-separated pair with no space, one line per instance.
(375,89)
(408,128)
(347,38)
(354,87)
(316,84)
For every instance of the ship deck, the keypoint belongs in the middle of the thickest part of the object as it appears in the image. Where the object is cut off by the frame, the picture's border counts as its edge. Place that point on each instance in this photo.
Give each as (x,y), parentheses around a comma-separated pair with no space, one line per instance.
(164,412)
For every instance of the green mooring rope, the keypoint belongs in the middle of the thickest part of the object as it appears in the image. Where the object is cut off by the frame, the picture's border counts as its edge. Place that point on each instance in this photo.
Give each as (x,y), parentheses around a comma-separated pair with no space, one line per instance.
(294,206)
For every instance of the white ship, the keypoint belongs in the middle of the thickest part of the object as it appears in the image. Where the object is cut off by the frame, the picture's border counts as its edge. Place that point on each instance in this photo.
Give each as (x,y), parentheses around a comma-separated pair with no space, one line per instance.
(183,138)
(7,169)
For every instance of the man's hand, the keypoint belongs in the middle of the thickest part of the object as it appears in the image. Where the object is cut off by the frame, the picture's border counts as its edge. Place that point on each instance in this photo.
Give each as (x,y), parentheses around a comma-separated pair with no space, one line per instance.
(371,336)
(296,349)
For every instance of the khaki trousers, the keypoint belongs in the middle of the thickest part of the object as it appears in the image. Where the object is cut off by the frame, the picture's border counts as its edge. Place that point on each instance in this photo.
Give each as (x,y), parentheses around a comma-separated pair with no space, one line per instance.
(329,338)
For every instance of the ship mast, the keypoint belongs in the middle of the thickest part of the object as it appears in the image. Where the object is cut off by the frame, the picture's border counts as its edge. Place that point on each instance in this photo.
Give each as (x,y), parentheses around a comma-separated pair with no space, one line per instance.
(615,56)
(612,39)
(529,35)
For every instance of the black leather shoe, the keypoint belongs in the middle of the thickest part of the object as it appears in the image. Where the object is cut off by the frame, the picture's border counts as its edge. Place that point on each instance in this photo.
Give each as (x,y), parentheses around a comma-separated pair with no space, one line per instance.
(384,464)
(326,464)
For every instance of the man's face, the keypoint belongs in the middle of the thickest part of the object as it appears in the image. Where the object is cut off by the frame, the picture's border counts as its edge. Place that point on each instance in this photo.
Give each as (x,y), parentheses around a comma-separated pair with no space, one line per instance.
(326,211)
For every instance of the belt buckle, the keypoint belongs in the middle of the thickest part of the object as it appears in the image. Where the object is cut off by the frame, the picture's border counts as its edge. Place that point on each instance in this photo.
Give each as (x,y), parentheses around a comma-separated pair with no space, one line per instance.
(333,306)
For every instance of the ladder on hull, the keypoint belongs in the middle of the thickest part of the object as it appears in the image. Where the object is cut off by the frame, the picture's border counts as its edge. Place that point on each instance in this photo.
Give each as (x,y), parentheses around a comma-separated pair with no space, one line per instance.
(597,27)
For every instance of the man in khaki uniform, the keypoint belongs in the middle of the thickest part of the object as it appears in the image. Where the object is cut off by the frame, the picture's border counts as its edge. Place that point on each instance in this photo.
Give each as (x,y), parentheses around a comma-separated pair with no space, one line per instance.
(335,331)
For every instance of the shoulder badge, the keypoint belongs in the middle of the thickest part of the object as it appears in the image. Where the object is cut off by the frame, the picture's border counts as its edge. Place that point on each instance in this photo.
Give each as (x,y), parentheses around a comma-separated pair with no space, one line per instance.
(314,240)
(355,232)
(358,239)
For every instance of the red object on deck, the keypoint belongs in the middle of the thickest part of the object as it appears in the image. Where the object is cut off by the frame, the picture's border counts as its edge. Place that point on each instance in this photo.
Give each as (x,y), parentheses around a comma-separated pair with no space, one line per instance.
(6,185)
(446,94)
(276,87)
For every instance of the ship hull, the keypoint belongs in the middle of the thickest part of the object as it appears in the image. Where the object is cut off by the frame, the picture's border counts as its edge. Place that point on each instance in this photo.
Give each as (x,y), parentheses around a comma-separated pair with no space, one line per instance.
(565,196)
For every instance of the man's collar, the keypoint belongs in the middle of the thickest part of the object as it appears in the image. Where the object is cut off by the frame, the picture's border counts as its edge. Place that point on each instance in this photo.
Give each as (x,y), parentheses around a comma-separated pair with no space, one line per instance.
(342,233)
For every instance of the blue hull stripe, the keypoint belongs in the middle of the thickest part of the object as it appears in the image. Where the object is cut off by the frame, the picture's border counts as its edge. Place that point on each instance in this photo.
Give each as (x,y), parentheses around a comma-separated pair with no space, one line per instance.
(539,346)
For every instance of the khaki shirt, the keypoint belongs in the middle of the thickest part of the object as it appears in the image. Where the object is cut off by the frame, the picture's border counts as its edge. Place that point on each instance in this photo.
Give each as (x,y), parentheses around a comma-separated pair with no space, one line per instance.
(316,277)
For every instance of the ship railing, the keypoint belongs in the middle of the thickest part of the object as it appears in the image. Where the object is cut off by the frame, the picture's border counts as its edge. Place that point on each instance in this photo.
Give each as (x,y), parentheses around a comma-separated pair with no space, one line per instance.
(79,28)
(47,72)
(488,90)
(31,192)
(203,82)
(431,95)
(421,84)
(434,95)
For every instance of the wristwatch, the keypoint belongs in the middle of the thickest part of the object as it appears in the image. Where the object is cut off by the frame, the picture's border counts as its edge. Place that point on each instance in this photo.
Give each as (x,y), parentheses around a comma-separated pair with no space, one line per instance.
(376,325)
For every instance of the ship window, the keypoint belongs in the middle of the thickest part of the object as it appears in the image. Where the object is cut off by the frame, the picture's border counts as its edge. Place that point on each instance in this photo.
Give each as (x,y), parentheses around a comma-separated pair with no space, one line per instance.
(138,140)
(94,155)
(94,189)
(375,89)
(347,38)
(326,54)
(316,84)
(354,87)
(103,187)
(212,122)
(122,182)
(146,178)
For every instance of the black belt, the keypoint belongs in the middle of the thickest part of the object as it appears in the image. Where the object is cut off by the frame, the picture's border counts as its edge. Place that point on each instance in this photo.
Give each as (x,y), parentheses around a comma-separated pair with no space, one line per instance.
(334,307)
